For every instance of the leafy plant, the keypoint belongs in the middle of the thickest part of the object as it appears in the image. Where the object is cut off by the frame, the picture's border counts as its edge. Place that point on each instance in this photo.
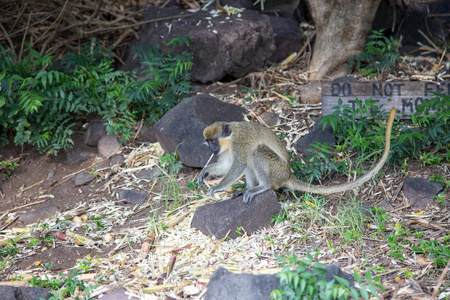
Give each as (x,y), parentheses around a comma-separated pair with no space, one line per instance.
(379,54)
(10,250)
(64,285)
(440,199)
(429,127)
(192,185)
(437,250)
(396,240)
(171,162)
(308,281)
(318,164)
(8,167)
(239,230)
(280,216)
(349,220)
(43,99)
(380,218)
(166,76)
(441,179)
(431,159)
(171,192)
(358,128)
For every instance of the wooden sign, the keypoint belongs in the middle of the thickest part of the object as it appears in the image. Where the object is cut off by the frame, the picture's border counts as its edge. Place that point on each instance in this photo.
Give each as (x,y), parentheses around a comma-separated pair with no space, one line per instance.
(404,96)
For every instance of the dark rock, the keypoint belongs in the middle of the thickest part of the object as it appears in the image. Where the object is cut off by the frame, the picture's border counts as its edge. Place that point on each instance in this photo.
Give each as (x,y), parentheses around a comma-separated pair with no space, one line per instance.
(420,192)
(102,164)
(270,118)
(288,38)
(107,145)
(116,160)
(2,177)
(221,45)
(247,286)
(147,133)
(148,174)
(95,131)
(284,8)
(132,197)
(318,134)
(224,284)
(181,128)
(407,21)
(77,155)
(344,79)
(39,214)
(23,293)
(226,216)
(310,93)
(83,178)
(117,294)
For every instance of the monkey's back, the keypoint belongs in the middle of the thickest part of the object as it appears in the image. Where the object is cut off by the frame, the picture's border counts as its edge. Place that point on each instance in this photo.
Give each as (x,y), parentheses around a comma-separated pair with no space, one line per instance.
(250,135)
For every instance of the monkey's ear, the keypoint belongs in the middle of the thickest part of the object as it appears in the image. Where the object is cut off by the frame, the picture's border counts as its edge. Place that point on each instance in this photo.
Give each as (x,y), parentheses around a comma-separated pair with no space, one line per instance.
(226,130)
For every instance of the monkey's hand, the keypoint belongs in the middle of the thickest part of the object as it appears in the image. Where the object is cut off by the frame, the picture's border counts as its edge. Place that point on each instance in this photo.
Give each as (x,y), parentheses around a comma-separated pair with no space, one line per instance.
(215,189)
(201,177)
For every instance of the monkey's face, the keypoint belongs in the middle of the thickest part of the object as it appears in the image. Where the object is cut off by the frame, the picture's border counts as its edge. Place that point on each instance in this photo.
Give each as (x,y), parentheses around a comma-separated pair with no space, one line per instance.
(217,136)
(214,145)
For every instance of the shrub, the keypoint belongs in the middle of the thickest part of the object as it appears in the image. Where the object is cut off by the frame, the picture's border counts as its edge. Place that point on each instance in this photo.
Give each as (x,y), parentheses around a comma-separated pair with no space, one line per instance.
(42,98)
(428,127)
(379,54)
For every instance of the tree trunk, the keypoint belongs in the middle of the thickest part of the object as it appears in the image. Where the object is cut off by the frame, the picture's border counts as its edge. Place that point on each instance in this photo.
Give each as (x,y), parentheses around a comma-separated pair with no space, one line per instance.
(341,30)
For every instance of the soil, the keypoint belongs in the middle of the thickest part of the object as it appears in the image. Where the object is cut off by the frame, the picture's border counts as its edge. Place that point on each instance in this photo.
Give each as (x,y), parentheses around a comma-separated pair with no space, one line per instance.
(43,181)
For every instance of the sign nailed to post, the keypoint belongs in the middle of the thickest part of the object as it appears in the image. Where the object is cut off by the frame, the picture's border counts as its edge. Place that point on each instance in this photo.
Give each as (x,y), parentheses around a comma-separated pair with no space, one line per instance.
(404,96)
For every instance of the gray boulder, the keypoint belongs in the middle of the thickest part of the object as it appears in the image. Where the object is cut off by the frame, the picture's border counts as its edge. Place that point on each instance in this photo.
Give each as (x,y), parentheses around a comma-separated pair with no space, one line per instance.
(108,145)
(83,178)
(181,128)
(317,135)
(288,38)
(23,293)
(222,218)
(39,214)
(132,197)
(95,131)
(221,45)
(284,8)
(420,192)
(226,285)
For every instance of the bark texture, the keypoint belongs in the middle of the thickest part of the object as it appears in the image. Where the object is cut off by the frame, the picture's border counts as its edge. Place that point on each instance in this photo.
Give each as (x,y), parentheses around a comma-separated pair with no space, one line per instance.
(341,30)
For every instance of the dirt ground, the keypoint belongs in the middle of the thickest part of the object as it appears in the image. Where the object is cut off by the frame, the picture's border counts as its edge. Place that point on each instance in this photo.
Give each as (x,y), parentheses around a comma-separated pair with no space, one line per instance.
(42,181)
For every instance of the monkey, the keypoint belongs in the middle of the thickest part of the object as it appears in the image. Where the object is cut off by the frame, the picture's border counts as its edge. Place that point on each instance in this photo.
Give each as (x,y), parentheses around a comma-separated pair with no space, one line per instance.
(253,150)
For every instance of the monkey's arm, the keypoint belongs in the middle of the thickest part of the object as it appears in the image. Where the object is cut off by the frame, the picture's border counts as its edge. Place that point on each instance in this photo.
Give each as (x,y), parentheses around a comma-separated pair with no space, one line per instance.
(216,169)
(235,172)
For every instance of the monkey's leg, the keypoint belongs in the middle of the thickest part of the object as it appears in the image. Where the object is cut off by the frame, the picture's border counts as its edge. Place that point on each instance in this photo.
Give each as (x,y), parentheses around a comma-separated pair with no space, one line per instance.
(260,178)
(251,181)
(270,170)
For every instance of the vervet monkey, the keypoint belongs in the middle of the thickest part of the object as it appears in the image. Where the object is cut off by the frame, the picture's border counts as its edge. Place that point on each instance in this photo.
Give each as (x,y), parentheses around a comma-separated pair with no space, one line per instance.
(254,150)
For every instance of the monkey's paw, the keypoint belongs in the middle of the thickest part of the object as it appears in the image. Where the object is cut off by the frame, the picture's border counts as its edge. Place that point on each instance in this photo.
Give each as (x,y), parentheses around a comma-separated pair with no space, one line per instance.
(248,196)
(201,177)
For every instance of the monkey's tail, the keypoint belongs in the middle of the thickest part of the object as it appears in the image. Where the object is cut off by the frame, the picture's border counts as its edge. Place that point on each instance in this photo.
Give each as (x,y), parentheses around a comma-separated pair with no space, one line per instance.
(299,185)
